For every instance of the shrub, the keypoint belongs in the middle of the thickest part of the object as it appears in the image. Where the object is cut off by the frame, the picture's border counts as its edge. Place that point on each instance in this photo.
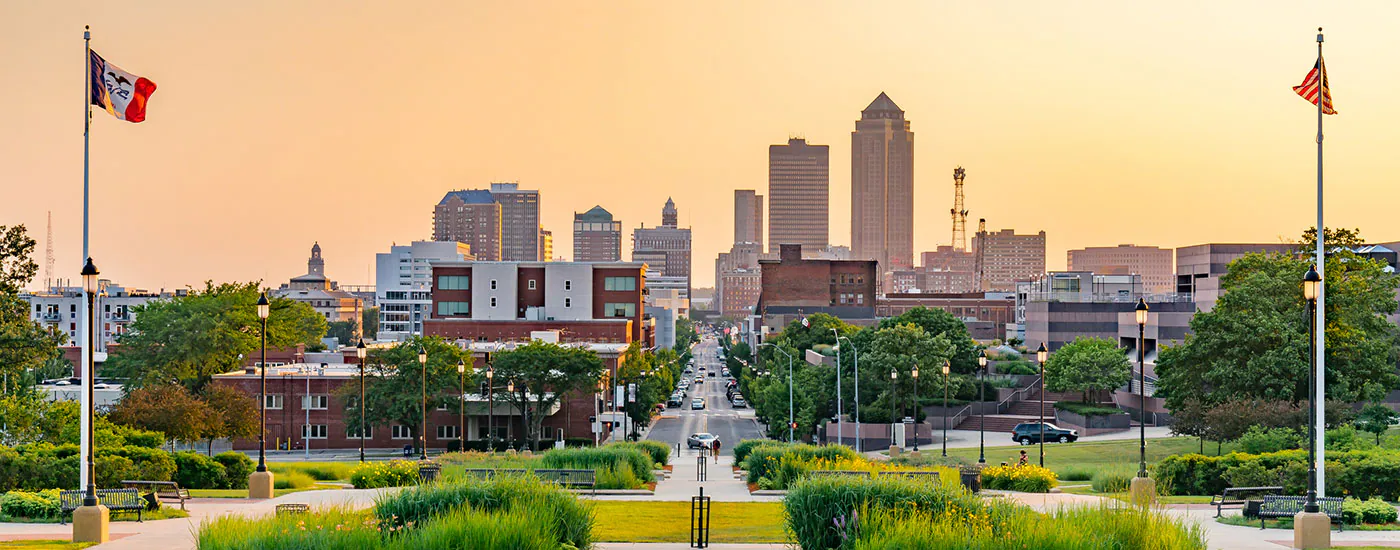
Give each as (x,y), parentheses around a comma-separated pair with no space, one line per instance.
(196,471)
(602,457)
(36,505)
(1373,511)
(813,504)
(514,530)
(1112,481)
(1086,409)
(1027,479)
(568,519)
(660,452)
(1250,474)
(1022,368)
(1259,439)
(619,476)
(1008,525)
(742,448)
(1076,473)
(292,480)
(38,466)
(374,475)
(763,459)
(112,470)
(237,467)
(321,471)
(1362,474)
(151,464)
(1346,438)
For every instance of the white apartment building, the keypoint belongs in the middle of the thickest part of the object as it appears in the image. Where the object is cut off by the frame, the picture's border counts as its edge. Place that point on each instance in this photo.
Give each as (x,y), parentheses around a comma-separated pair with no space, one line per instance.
(404,284)
(59,309)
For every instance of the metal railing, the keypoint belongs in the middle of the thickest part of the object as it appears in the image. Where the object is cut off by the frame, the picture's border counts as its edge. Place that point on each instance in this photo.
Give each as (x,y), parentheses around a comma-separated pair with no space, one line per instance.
(1017,396)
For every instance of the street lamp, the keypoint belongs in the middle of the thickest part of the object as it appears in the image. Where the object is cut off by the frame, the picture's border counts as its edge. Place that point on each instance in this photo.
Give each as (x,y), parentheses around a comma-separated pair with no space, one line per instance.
(510,389)
(361,352)
(945,407)
(1040,356)
(1312,287)
(1141,313)
(423,361)
(791,422)
(981,412)
(461,405)
(894,375)
(840,403)
(855,355)
(264,311)
(915,374)
(90,522)
(490,407)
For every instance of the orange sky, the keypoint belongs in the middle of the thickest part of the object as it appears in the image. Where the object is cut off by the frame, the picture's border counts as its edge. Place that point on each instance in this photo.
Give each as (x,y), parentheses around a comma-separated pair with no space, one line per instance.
(281,123)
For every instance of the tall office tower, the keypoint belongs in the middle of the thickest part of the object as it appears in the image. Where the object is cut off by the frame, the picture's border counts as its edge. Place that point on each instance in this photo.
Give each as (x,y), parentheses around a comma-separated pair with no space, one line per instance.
(1152,263)
(799,195)
(403,285)
(1002,258)
(470,216)
(597,236)
(748,217)
(546,245)
(520,222)
(668,214)
(882,186)
(666,251)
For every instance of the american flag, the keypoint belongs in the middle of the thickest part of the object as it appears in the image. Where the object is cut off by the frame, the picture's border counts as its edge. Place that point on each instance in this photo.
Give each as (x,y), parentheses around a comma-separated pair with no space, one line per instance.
(1309,88)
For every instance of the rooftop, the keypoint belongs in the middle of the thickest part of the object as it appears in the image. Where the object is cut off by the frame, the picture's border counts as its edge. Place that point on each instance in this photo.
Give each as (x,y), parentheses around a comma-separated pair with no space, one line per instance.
(469,196)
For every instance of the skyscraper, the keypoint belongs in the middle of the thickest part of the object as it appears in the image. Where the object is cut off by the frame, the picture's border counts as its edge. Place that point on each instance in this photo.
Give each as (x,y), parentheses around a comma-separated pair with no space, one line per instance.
(520,222)
(748,216)
(470,216)
(666,251)
(882,186)
(597,236)
(799,195)
(668,214)
(1002,258)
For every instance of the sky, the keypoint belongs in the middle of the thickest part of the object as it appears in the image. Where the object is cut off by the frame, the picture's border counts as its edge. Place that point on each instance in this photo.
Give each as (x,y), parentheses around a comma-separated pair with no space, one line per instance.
(280,124)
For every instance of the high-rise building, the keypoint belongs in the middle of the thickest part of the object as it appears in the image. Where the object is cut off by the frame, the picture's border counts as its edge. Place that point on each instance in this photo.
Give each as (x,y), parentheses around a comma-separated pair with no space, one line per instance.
(947,270)
(737,280)
(799,193)
(470,216)
(1153,264)
(1002,258)
(748,216)
(882,186)
(403,284)
(520,222)
(665,250)
(546,245)
(597,236)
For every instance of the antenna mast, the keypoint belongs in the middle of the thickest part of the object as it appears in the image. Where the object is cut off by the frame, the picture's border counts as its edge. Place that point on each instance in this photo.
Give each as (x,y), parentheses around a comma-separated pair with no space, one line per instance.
(48,255)
(959,212)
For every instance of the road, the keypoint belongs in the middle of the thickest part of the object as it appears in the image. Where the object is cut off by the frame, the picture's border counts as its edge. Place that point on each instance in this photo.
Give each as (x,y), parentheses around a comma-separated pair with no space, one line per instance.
(718,417)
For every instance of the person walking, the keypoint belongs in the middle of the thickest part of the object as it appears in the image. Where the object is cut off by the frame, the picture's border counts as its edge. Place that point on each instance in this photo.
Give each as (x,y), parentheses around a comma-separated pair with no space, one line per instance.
(714,449)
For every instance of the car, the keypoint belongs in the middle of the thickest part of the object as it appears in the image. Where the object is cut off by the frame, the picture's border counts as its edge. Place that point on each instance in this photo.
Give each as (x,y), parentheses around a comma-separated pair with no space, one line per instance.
(675,401)
(712,374)
(739,402)
(696,441)
(1026,433)
(724,372)
(697,404)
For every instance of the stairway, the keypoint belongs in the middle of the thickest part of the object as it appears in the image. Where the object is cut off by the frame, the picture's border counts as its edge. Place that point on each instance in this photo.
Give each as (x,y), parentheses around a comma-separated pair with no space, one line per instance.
(1003,423)
(1030,409)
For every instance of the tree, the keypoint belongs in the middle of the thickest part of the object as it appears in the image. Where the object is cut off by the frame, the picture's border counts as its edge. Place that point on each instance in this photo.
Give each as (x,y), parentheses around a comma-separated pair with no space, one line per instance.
(167,408)
(24,344)
(370,320)
(655,376)
(899,348)
(191,338)
(1375,418)
(394,384)
(17,265)
(343,331)
(1087,365)
(27,416)
(1254,343)
(1332,238)
(936,322)
(232,414)
(543,373)
(685,334)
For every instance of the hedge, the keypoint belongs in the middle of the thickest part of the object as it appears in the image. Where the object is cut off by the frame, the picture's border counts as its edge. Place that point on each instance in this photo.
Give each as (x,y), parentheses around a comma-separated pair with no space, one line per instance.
(1027,479)
(818,507)
(1361,474)
(764,459)
(36,505)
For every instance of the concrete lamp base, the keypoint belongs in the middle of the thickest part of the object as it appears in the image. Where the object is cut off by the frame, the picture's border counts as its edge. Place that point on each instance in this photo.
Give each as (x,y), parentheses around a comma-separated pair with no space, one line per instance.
(894,450)
(914,455)
(90,524)
(1143,491)
(1312,530)
(260,485)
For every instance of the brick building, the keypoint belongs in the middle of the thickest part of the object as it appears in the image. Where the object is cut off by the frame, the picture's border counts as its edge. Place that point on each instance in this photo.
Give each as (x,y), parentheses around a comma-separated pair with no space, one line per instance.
(1152,263)
(1003,257)
(985,315)
(792,286)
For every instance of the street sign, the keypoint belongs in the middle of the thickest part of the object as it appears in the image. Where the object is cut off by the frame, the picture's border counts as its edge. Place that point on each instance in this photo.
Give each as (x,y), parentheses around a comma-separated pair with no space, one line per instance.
(631,393)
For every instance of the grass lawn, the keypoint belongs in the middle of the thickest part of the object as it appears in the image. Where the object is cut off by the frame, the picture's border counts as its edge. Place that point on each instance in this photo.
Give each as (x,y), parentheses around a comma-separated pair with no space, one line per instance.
(45,544)
(1163,499)
(1122,454)
(1287,523)
(165,512)
(243,493)
(651,521)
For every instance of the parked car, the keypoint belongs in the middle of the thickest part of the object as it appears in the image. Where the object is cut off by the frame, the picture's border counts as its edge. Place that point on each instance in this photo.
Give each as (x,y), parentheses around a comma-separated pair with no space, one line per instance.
(724,372)
(697,404)
(696,441)
(739,402)
(1026,433)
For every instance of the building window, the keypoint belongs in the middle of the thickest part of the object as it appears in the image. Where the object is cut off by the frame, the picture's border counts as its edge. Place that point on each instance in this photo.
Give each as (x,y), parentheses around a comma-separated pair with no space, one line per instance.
(454,282)
(453,308)
(493,284)
(530,285)
(568,302)
(619,310)
(568,285)
(401,432)
(448,432)
(351,433)
(493,301)
(315,402)
(619,283)
(313,431)
(860,299)
(274,402)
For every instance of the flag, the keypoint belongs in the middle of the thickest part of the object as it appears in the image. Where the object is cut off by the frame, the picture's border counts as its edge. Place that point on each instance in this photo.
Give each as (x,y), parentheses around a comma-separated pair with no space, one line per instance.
(122,94)
(1315,81)
(806,324)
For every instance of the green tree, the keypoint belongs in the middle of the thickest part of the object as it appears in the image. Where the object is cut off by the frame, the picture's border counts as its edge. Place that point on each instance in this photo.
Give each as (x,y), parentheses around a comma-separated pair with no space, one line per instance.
(343,331)
(1332,238)
(1375,418)
(544,374)
(1254,343)
(167,408)
(685,334)
(17,265)
(24,344)
(655,376)
(232,414)
(189,339)
(395,384)
(27,416)
(936,322)
(898,349)
(1087,365)
(370,320)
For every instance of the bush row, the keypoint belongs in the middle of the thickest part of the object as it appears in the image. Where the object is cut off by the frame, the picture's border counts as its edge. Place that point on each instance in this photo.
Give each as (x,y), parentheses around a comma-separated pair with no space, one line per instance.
(763,460)
(374,475)
(1361,474)
(34,505)
(41,466)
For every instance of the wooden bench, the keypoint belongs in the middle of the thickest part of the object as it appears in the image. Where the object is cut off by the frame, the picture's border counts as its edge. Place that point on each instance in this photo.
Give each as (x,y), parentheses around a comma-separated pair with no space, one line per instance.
(572,479)
(168,490)
(839,473)
(1224,498)
(116,500)
(1276,506)
(293,508)
(916,475)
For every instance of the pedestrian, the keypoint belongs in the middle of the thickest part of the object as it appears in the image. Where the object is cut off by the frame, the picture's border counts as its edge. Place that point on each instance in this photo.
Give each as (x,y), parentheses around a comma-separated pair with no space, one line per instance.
(1024,459)
(714,448)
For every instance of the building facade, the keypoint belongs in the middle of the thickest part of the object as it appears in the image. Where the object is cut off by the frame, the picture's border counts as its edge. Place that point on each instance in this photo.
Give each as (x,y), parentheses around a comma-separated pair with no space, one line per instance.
(799,195)
(1199,267)
(520,222)
(404,284)
(882,186)
(792,286)
(986,315)
(1002,258)
(1061,306)
(470,216)
(322,294)
(597,236)
(748,216)
(546,245)
(738,280)
(58,310)
(665,249)
(946,270)
(1152,263)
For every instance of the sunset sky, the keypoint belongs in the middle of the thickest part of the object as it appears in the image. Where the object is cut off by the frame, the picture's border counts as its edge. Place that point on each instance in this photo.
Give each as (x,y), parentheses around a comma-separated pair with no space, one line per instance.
(277,124)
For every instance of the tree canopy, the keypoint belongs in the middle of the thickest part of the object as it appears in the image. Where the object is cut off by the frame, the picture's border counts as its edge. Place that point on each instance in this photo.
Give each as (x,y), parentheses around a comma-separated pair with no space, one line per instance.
(545,373)
(935,322)
(17,265)
(394,384)
(1087,365)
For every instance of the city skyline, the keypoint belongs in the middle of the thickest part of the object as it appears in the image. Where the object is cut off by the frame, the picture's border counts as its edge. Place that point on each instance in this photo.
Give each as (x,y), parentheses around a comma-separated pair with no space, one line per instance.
(1068,119)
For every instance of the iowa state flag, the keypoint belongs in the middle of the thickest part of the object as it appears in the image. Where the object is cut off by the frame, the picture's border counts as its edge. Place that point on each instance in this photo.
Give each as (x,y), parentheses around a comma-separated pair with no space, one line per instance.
(122,94)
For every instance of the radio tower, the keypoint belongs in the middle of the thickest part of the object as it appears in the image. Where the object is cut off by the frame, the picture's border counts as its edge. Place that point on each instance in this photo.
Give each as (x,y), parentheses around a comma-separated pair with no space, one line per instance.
(48,255)
(959,212)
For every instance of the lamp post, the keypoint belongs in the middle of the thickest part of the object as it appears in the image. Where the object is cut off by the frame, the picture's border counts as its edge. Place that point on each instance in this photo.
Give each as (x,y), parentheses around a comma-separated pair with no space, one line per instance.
(510,389)
(945,407)
(461,405)
(361,352)
(1040,355)
(1142,490)
(90,522)
(490,407)
(855,356)
(423,361)
(915,375)
(264,311)
(840,420)
(791,420)
(1312,283)
(894,376)
(981,396)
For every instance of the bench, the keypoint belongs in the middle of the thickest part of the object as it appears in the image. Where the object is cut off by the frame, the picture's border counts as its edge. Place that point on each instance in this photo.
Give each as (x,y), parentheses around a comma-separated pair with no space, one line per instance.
(116,500)
(1276,506)
(1224,498)
(915,475)
(293,508)
(839,473)
(488,473)
(572,479)
(168,490)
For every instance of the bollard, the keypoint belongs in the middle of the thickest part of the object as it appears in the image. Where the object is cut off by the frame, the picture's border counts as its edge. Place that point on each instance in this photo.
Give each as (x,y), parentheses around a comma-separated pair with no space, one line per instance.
(700,520)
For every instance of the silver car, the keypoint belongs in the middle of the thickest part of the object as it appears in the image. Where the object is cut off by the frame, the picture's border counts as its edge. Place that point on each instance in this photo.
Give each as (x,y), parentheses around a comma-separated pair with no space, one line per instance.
(705,440)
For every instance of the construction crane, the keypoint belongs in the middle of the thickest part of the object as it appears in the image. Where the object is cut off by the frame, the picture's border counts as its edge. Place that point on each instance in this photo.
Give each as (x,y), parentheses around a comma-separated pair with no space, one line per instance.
(48,256)
(959,212)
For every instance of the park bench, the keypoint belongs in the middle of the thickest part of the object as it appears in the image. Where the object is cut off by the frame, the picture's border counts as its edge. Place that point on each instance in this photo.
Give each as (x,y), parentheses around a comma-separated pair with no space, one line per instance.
(915,475)
(1231,496)
(116,500)
(168,490)
(572,479)
(1276,506)
(839,473)
(488,473)
(293,508)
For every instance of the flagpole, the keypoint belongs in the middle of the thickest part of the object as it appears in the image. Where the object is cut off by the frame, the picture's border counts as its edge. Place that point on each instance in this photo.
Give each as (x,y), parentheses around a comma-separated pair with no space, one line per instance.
(1321,332)
(87,325)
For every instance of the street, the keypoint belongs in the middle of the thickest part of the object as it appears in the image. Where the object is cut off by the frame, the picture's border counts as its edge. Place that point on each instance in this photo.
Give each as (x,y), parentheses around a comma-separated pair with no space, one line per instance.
(718,417)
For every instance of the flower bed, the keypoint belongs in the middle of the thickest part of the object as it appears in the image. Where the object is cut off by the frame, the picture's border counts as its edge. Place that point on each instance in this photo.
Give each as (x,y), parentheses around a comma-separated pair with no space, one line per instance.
(1028,479)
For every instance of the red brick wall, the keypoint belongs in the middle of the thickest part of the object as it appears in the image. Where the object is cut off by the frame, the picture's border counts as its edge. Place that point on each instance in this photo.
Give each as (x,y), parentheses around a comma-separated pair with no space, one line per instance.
(490,331)
(440,295)
(526,297)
